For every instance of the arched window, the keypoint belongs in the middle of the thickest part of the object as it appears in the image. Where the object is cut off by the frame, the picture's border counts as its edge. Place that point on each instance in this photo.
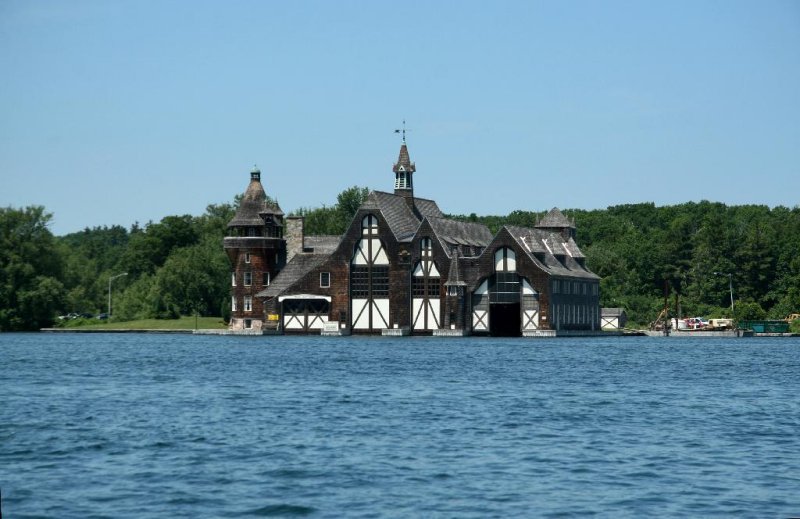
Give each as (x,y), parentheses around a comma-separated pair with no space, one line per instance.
(505,260)
(369,225)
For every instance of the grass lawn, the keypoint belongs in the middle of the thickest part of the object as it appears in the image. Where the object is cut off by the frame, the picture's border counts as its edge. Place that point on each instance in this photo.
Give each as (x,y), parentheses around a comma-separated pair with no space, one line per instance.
(182,323)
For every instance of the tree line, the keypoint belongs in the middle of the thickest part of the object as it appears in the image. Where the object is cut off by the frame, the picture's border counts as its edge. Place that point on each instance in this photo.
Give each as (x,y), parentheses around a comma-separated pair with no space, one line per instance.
(641,251)
(177,266)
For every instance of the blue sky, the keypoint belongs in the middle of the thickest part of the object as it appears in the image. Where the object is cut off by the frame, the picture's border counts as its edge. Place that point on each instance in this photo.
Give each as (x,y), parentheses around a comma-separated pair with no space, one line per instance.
(113,112)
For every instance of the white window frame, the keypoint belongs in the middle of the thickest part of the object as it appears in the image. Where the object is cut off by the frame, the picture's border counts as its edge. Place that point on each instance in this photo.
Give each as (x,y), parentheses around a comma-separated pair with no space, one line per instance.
(248,278)
(233,279)
(321,283)
(248,303)
(247,257)
(233,303)
(268,277)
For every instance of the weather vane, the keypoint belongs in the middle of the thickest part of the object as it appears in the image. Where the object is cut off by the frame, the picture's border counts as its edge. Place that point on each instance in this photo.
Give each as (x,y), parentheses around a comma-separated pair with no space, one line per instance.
(403,131)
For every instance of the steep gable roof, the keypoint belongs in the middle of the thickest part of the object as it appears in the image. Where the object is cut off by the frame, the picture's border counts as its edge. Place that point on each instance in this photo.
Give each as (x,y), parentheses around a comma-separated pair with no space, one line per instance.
(397,213)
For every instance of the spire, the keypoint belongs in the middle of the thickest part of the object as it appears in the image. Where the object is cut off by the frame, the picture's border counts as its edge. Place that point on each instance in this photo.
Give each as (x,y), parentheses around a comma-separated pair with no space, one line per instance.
(255,173)
(454,276)
(404,170)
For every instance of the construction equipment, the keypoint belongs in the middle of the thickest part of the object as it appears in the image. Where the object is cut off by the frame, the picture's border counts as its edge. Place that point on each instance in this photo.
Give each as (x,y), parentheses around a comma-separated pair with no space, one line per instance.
(661,321)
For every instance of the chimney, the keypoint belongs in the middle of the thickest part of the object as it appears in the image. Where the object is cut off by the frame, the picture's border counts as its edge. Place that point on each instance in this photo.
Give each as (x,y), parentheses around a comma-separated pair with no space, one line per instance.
(294,236)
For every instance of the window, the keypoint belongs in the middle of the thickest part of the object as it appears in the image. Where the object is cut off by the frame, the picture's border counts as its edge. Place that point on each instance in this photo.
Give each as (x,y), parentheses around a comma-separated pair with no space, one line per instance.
(401,181)
(248,303)
(425,246)
(247,257)
(506,288)
(505,260)
(233,304)
(380,281)
(425,286)
(248,279)
(265,281)
(251,231)
(233,279)
(369,225)
(248,323)
(359,281)
(324,279)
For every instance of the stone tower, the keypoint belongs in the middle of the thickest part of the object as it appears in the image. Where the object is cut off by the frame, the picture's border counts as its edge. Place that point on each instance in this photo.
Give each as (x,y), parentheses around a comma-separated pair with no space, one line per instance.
(256,249)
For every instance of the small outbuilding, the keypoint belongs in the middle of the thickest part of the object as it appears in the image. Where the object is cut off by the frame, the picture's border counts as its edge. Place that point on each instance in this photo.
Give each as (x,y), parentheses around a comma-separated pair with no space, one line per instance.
(612,319)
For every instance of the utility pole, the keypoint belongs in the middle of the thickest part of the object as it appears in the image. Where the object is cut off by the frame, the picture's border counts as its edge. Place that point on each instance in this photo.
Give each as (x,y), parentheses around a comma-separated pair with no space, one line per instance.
(730,285)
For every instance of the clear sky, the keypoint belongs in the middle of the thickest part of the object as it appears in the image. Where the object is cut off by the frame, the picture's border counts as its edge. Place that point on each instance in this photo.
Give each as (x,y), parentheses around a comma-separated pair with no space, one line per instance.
(113,112)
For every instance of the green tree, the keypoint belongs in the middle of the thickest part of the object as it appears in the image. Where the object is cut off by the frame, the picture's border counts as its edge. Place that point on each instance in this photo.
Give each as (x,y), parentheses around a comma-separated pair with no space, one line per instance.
(30,268)
(333,220)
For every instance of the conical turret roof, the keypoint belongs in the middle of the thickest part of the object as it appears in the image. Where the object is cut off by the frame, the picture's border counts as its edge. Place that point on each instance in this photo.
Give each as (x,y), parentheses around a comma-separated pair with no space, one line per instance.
(254,203)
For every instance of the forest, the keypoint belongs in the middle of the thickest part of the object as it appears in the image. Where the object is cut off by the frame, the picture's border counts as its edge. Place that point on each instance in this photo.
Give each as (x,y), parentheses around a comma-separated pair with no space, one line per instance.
(177,266)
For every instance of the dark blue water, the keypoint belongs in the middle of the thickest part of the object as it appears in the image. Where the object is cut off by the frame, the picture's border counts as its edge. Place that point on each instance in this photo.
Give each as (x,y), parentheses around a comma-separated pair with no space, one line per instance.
(182,426)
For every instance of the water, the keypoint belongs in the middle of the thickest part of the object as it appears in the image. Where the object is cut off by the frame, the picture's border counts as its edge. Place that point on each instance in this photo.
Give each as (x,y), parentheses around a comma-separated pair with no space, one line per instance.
(181,426)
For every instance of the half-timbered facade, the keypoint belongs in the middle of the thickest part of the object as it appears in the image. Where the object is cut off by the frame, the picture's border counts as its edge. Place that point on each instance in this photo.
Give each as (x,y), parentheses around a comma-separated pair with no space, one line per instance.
(403,266)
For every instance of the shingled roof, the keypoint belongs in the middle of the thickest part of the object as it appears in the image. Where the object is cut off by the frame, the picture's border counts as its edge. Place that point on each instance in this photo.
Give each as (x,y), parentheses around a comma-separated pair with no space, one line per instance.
(299,266)
(322,244)
(555,219)
(253,203)
(395,210)
(454,233)
(454,276)
(404,161)
(551,252)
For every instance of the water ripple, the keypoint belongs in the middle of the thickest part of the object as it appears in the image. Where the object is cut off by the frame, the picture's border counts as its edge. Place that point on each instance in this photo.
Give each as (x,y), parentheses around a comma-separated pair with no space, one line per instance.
(181,426)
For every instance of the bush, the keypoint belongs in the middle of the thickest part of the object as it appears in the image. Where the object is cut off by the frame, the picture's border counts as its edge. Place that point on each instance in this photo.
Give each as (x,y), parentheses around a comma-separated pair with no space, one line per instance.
(749,311)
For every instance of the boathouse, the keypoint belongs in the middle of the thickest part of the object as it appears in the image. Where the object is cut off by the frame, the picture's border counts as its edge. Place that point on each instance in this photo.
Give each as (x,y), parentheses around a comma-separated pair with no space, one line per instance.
(403,268)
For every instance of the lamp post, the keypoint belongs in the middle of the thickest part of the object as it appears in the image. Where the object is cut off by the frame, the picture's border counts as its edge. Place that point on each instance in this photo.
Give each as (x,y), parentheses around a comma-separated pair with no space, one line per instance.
(730,284)
(112,278)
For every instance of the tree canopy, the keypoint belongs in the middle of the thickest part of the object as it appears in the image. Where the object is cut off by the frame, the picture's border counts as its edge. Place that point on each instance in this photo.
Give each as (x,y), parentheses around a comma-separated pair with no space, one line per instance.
(178,266)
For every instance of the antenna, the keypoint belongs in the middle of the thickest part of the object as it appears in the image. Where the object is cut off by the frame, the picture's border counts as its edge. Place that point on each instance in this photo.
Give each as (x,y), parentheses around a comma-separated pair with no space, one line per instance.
(403,131)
